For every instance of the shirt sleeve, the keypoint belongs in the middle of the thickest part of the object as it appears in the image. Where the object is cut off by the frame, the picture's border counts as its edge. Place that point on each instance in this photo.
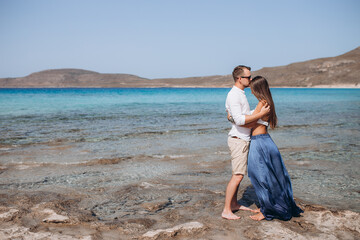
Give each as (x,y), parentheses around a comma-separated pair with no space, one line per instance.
(236,111)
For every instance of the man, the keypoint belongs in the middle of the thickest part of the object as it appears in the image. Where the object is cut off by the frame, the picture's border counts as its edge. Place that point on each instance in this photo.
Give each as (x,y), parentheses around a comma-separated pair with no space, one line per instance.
(239,137)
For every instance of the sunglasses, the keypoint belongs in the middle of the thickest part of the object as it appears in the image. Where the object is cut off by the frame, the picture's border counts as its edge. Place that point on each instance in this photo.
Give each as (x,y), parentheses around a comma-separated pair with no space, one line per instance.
(246,77)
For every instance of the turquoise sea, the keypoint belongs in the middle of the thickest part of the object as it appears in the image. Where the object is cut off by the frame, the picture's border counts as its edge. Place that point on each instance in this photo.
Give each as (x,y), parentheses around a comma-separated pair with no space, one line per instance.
(318,133)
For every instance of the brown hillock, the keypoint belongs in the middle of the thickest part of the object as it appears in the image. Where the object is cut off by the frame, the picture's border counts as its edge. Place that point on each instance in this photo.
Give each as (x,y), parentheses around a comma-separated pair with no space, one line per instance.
(343,70)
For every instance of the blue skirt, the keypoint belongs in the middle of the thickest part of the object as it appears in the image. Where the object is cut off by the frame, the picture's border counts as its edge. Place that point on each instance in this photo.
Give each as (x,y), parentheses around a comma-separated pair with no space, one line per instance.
(270,179)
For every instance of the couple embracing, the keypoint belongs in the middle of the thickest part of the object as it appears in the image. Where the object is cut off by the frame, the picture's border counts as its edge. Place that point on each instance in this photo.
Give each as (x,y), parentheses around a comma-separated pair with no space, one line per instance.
(266,168)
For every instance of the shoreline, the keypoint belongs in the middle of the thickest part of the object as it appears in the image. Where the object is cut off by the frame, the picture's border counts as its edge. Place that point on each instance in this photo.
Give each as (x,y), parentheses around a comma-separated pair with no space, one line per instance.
(344,86)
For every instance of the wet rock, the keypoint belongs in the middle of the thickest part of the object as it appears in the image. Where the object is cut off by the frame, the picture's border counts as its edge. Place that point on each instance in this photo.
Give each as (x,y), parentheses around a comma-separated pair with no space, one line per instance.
(155,206)
(190,227)
(172,216)
(134,226)
(105,161)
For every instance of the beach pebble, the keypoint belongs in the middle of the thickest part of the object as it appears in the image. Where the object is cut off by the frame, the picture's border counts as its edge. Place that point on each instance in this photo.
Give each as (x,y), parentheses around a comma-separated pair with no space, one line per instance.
(149,185)
(54,217)
(146,185)
(186,227)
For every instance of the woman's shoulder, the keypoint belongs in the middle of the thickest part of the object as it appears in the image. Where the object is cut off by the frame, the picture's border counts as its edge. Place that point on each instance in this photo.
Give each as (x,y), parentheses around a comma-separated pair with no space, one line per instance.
(263,102)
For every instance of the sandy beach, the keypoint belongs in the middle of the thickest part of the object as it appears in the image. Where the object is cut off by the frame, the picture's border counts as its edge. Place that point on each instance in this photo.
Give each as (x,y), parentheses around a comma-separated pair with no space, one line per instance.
(183,203)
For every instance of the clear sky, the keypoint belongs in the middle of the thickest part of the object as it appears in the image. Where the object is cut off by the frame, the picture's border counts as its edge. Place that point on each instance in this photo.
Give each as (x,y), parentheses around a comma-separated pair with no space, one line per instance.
(171,38)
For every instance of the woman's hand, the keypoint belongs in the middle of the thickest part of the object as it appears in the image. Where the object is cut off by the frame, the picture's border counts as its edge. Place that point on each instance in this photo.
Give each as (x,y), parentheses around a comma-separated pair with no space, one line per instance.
(265,109)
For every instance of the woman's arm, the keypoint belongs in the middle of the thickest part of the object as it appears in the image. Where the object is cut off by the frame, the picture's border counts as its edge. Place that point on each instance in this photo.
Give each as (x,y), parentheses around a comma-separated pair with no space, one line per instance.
(258,108)
(248,125)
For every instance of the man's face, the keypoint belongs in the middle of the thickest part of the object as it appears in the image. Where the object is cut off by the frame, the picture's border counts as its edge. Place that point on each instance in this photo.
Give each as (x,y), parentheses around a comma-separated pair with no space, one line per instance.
(245,78)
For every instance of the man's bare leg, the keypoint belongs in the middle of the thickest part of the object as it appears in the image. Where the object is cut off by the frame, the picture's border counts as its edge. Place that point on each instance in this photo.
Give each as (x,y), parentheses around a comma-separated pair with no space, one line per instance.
(235,206)
(231,190)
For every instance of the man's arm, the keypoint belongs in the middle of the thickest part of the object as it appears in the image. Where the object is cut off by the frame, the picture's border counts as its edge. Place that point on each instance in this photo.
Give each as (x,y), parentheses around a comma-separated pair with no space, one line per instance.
(250,121)
(241,119)
(235,110)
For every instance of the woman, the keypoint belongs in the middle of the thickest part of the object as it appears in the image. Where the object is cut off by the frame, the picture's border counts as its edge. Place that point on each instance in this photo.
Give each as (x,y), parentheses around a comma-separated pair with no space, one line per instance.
(266,168)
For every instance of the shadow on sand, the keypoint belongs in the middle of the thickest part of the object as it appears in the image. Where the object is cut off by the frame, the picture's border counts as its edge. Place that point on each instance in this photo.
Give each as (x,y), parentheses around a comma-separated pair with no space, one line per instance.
(249,197)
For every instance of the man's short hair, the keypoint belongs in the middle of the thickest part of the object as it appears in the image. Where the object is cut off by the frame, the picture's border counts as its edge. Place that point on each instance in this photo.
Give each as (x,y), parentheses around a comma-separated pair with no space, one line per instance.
(239,70)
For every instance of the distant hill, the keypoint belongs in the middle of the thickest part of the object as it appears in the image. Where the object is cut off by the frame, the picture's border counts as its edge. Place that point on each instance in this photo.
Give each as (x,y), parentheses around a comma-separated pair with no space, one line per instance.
(340,71)
(343,70)
(65,78)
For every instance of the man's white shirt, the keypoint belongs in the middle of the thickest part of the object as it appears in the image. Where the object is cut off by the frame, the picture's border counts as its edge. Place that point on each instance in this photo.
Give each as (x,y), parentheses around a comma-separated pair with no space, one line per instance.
(238,106)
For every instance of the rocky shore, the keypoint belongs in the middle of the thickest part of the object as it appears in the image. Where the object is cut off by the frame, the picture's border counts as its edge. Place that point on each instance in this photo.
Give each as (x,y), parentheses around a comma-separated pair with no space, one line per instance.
(183,204)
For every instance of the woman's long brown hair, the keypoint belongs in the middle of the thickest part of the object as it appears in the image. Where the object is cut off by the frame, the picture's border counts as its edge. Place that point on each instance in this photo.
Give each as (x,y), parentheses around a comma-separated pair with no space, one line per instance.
(260,88)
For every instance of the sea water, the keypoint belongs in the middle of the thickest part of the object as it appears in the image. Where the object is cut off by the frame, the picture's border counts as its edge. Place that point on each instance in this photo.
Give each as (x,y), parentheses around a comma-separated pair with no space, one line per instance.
(318,132)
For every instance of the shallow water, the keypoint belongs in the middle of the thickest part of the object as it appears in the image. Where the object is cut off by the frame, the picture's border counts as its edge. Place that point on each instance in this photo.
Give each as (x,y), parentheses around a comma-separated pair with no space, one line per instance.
(156,132)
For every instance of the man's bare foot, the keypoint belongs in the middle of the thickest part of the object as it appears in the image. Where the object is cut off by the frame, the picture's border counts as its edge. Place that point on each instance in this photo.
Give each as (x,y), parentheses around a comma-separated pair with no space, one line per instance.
(240,207)
(257,217)
(229,216)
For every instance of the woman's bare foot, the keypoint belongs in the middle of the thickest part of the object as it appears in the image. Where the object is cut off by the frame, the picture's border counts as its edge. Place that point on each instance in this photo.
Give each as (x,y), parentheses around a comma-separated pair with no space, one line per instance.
(229,216)
(240,207)
(256,210)
(257,217)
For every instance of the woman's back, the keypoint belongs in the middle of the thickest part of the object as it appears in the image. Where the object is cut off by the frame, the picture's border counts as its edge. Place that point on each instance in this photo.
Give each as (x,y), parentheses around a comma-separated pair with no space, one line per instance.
(260,88)
(260,128)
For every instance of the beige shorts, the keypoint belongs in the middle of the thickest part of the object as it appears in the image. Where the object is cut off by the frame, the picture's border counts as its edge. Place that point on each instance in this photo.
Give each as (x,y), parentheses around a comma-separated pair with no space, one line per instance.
(239,149)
